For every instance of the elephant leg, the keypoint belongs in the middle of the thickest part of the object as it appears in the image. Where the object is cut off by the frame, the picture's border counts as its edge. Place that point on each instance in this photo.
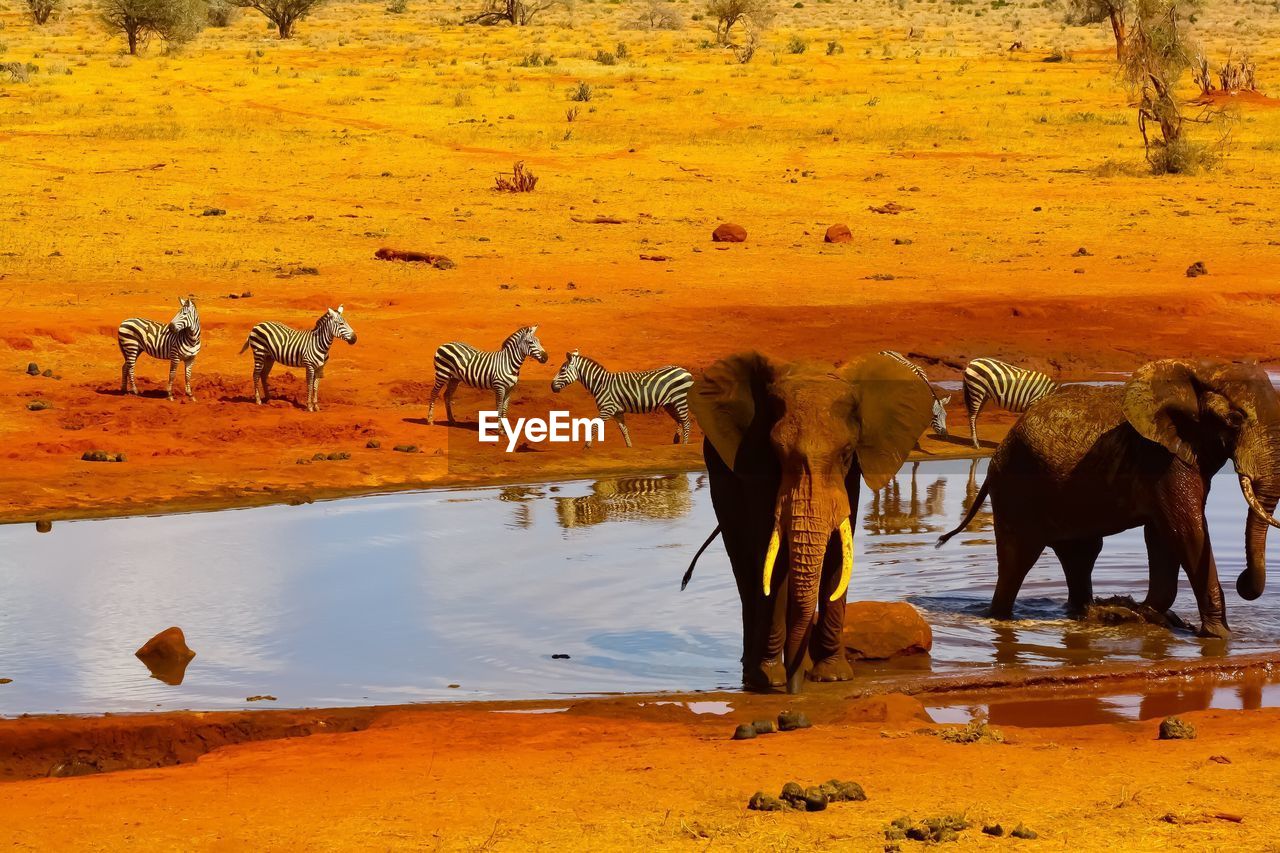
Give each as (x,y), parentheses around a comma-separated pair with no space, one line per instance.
(1077,557)
(1190,542)
(1015,555)
(1162,562)
(826,648)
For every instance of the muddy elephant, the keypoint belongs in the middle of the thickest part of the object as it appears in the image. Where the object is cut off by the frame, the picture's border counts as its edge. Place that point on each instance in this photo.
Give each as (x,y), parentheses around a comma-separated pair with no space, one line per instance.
(1085,463)
(785,447)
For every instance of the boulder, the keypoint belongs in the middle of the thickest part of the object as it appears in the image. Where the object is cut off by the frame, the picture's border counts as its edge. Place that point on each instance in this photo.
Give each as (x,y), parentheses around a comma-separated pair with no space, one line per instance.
(839,233)
(895,708)
(167,655)
(877,630)
(727,232)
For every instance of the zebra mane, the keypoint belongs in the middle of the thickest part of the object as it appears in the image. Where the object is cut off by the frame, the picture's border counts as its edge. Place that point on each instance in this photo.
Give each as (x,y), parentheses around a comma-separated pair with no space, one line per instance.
(513,339)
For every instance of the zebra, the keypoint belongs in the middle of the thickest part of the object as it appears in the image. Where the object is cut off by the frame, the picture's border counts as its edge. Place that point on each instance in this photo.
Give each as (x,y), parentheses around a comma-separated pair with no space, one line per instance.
(1010,387)
(462,364)
(939,420)
(636,392)
(177,341)
(274,342)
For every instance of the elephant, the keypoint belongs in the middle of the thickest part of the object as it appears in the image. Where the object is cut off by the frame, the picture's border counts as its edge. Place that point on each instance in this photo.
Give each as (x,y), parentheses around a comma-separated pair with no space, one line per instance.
(785,445)
(1087,462)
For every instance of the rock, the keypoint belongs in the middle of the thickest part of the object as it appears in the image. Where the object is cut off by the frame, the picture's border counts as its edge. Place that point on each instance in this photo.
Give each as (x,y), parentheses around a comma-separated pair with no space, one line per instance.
(1197,269)
(440,262)
(878,630)
(762,802)
(37,406)
(890,708)
(101,456)
(746,731)
(1175,728)
(167,655)
(727,232)
(839,233)
(33,369)
(1082,252)
(764,727)
(994,829)
(338,456)
(1021,831)
(373,444)
(214,211)
(44,525)
(792,720)
(405,448)
(47,372)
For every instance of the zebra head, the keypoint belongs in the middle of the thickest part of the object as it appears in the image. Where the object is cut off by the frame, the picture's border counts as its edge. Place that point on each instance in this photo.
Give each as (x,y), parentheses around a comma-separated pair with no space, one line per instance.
(186,322)
(530,345)
(939,422)
(337,325)
(568,372)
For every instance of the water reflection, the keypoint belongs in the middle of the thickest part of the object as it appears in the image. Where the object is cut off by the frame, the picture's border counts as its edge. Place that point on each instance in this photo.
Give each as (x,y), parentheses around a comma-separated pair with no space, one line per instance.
(627,499)
(890,513)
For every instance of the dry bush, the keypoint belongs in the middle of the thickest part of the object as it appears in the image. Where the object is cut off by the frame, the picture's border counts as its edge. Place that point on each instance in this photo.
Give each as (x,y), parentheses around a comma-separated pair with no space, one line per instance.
(659,15)
(521,181)
(1234,75)
(756,14)
(42,10)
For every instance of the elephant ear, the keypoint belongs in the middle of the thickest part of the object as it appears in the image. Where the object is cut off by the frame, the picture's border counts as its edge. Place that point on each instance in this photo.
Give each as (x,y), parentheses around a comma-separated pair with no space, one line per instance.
(1161,403)
(893,409)
(730,405)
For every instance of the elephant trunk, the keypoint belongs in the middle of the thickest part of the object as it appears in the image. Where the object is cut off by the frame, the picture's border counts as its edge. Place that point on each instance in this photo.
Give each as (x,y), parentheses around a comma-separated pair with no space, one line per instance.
(807,518)
(1262,497)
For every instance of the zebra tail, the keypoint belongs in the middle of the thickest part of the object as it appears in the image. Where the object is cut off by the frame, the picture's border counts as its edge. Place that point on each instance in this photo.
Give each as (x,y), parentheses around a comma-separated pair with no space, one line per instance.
(689,574)
(246,344)
(968,516)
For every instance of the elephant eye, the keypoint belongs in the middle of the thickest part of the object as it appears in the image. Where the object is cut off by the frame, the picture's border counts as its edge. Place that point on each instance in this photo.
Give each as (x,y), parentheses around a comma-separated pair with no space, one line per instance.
(1234,419)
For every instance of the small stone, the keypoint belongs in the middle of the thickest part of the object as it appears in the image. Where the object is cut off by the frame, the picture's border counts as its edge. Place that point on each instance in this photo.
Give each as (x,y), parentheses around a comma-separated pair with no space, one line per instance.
(839,233)
(728,232)
(762,802)
(319,457)
(993,829)
(1082,252)
(1197,269)
(792,720)
(47,372)
(405,448)
(338,456)
(37,406)
(1216,759)
(373,444)
(764,727)
(1021,831)
(33,369)
(744,732)
(214,211)
(1175,728)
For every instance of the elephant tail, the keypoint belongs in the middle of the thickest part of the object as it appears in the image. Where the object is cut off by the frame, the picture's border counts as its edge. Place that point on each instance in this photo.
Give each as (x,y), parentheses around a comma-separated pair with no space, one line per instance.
(968,516)
(689,574)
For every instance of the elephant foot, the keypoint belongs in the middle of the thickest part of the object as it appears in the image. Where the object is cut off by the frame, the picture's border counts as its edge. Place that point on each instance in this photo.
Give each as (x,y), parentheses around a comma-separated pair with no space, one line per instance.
(767,676)
(1214,631)
(834,668)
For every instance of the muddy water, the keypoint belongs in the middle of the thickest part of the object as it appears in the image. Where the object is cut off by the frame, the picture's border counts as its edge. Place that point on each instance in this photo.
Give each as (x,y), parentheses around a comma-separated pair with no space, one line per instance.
(399,598)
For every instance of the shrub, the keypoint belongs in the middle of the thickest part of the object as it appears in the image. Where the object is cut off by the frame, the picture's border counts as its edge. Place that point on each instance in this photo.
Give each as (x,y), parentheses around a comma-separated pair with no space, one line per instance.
(797,45)
(729,13)
(222,13)
(521,181)
(582,93)
(397,7)
(834,47)
(42,10)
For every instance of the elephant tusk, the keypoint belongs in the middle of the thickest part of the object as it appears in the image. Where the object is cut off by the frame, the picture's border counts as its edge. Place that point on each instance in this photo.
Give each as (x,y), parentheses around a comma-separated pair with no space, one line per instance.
(770,557)
(1246,486)
(846,560)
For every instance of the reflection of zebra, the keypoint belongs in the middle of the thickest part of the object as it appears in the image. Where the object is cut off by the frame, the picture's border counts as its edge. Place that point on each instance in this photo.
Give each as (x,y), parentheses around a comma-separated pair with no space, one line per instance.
(276,342)
(627,499)
(886,513)
(637,392)
(177,341)
(984,520)
(1008,386)
(459,363)
(939,422)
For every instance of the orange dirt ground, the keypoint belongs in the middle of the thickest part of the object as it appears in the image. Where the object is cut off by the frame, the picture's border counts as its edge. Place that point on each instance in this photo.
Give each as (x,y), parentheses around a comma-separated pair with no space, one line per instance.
(632,774)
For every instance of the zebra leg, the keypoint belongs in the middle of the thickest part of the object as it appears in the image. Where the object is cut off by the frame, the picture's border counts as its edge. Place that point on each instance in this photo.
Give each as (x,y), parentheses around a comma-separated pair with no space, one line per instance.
(124,376)
(622,425)
(188,365)
(311,389)
(133,374)
(502,395)
(448,400)
(257,379)
(266,372)
(682,420)
(173,371)
(974,400)
(431,404)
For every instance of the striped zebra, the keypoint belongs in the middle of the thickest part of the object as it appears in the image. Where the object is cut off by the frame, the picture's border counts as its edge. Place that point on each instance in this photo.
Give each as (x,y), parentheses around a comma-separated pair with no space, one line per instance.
(275,342)
(462,364)
(1008,386)
(178,341)
(636,392)
(939,420)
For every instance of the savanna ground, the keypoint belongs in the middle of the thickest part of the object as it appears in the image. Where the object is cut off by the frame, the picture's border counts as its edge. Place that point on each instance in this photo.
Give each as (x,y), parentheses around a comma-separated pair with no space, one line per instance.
(373,129)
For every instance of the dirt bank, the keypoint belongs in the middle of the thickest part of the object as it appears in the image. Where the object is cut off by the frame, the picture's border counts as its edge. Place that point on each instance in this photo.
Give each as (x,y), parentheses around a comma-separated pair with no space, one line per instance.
(655,773)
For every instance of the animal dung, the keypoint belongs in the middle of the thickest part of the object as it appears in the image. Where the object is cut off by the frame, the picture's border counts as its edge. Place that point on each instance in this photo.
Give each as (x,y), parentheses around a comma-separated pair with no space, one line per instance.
(814,798)
(792,720)
(1176,728)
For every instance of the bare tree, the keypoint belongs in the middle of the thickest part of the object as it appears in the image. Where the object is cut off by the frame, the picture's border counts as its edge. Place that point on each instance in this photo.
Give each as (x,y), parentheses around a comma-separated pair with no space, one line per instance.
(283,13)
(173,21)
(1157,54)
(730,13)
(517,12)
(1087,12)
(42,10)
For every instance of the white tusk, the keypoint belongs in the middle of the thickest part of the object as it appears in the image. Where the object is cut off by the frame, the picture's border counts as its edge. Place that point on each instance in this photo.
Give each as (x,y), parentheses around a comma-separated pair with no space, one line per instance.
(846,560)
(770,557)
(1246,486)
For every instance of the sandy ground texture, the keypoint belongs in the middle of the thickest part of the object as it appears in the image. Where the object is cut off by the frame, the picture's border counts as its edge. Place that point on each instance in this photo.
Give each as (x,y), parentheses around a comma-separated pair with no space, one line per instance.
(628,774)
(1022,224)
